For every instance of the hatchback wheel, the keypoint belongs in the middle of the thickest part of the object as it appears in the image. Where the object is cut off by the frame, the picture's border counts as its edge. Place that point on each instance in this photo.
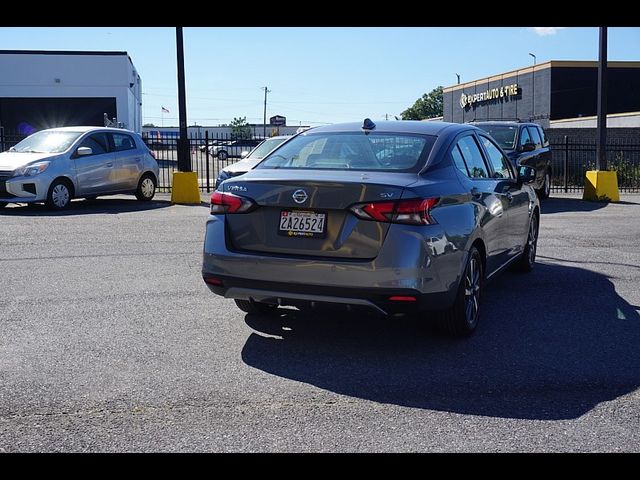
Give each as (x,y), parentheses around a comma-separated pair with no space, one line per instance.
(59,196)
(146,188)
(249,306)
(462,318)
(528,258)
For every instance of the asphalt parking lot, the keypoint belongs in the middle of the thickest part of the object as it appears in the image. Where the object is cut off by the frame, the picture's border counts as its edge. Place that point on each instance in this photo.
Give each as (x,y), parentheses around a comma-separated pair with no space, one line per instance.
(110,341)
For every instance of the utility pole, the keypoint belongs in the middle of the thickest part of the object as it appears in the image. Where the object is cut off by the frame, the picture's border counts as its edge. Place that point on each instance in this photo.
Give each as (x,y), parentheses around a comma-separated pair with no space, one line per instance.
(601,139)
(264,120)
(386,116)
(184,156)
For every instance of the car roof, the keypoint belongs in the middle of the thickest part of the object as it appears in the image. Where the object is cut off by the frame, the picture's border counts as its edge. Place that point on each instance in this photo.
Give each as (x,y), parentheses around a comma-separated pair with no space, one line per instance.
(85,128)
(506,123)
(393,126)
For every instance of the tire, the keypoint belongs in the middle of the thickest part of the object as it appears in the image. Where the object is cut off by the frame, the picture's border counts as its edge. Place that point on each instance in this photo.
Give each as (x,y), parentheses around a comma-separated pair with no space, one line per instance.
(528,258)
(249,306)
(146,188)
(223,155)
(545,191)
(461,319)
(3,204)
(59,195)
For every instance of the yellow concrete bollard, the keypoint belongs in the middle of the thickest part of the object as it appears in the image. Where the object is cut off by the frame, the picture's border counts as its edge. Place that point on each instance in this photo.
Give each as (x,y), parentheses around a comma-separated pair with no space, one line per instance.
(185,188)
(601,185)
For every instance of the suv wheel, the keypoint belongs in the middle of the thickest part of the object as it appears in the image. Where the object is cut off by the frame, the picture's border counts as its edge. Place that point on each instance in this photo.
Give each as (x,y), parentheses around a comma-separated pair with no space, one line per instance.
(223,155)
(545,191)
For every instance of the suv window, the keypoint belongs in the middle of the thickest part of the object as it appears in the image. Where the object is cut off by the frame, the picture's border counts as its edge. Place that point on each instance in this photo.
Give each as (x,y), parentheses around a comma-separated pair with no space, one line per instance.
(525,137)
(543,134)
(535,136)
(98,142)
(498,161)
(473,157)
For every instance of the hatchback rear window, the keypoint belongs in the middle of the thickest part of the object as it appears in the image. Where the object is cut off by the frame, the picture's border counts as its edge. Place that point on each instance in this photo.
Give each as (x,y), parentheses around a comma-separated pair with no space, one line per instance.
(352,151)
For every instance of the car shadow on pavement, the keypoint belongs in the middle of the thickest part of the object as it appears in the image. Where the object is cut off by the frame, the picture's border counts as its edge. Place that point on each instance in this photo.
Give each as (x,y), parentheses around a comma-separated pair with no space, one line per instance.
(552,344)
(85,207)
(559,204)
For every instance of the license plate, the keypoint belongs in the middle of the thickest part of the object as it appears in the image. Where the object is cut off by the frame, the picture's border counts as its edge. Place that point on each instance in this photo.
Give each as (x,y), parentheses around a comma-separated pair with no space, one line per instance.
(302,223)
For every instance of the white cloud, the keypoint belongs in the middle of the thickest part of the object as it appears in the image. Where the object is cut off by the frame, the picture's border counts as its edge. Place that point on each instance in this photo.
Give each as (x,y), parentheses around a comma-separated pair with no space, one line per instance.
(544,31)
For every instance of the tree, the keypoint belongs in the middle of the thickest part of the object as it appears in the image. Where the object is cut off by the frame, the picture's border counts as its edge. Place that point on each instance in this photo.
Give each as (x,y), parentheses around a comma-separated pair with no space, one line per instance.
(240,127)
(148,125)
(427,106)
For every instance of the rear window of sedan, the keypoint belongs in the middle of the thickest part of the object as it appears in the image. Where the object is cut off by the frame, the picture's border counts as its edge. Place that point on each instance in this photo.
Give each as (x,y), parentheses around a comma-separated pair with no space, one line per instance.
(352,151)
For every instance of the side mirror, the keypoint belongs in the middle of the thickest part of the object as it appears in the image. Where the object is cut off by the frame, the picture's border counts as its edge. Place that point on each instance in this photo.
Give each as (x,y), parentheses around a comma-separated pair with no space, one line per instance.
(528,147)
(526,174)
(84,151)
(244,154)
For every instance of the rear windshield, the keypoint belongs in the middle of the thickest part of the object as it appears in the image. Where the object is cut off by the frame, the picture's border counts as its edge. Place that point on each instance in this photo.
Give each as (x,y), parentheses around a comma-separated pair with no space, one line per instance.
(352,151)
(265,147)
(505,135)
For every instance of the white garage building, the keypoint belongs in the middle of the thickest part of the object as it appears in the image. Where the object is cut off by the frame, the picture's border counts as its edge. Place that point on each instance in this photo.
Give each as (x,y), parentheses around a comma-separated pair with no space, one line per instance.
(43,89)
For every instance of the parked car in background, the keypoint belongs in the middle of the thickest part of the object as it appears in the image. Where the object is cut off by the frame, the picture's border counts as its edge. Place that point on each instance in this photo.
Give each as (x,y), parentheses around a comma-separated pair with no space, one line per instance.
(251,159)
(58,164)
(329,221)
(525,144)
(232,148)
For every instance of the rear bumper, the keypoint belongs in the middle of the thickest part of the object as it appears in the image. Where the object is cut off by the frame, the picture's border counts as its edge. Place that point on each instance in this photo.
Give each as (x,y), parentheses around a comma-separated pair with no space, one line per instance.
(408,264)
(281,293)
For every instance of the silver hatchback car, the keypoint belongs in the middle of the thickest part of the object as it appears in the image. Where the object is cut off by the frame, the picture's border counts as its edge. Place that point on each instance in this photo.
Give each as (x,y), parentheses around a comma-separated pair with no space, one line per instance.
(58,164)
(399,217)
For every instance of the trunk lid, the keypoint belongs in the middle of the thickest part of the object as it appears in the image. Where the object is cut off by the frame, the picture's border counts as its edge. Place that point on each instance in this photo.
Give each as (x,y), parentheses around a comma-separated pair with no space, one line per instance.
(322,192)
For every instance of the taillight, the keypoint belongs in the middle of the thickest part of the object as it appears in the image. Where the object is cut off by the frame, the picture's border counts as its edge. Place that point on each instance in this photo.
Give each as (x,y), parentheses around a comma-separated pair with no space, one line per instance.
(415,211)
(152,153)
(230,203)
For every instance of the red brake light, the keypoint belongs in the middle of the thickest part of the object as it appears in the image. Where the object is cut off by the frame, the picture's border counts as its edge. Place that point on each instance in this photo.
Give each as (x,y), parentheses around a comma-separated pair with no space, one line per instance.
(230,203)
(415,211)
(152,153)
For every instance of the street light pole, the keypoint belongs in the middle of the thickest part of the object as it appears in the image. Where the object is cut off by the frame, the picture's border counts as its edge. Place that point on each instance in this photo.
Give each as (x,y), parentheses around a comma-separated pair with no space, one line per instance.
(264,117)
(601,145)
(534,58)
(458,75)
(184,156)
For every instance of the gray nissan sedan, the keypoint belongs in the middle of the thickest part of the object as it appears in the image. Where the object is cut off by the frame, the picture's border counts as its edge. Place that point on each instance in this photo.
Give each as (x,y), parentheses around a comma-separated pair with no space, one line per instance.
(58,164)
(397,217)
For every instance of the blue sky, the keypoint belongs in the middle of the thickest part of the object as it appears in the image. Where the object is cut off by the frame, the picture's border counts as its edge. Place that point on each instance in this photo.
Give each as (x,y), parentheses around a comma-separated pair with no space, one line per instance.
(317,75)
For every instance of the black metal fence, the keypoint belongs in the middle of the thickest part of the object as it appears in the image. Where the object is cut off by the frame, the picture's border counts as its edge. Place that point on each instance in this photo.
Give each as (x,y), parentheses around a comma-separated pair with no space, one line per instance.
(571,160)
(210,154)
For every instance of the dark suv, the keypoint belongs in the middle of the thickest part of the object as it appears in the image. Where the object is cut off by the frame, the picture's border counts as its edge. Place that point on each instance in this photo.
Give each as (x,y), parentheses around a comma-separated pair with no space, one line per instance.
(525,144)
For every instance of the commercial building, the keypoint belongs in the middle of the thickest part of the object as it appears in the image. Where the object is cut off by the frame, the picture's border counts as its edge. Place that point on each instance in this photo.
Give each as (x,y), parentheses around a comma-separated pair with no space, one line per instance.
(43,89)
(554,94)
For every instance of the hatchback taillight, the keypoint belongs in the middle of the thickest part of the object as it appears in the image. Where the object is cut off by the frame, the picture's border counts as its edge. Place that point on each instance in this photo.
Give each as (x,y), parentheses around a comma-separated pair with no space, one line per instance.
(230,203)
(415,211)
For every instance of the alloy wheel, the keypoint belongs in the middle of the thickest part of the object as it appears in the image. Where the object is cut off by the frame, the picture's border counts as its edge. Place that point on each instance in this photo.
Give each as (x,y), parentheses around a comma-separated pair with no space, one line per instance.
(472,291)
